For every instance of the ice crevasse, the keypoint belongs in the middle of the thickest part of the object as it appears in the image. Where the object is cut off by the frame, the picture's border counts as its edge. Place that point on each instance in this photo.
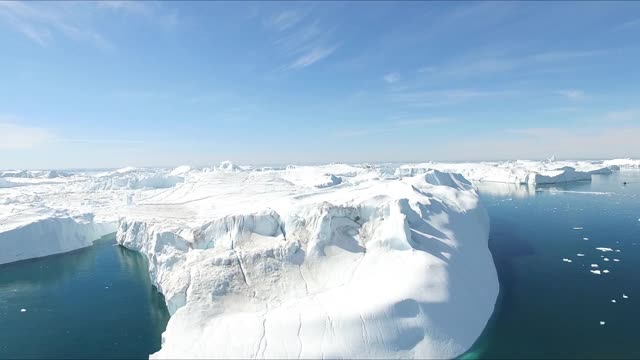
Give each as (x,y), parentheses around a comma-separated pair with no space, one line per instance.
(255,266)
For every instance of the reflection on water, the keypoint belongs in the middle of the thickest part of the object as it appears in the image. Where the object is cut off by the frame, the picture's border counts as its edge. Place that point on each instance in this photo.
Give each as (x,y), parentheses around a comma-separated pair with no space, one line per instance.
(549,308)
(95,302)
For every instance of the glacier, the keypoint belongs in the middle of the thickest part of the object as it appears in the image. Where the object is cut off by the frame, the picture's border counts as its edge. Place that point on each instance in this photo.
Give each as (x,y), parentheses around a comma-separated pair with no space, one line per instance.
(298,261)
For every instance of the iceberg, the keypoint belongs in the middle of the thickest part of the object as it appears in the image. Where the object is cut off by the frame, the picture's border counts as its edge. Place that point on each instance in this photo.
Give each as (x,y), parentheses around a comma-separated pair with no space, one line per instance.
(328,261)
(254,265)
(511,172)
(618,164)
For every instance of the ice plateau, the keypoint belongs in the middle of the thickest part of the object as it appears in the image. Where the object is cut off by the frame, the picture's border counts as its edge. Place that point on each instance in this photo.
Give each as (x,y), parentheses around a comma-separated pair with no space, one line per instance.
(301,262)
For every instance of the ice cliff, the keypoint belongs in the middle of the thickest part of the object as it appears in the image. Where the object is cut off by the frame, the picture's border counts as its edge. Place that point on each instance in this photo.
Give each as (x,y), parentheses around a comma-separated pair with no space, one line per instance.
(290,264)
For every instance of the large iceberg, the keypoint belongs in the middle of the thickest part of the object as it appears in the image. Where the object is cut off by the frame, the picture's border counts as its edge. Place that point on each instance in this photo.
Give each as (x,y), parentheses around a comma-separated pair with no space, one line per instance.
(330,261)
(254,265)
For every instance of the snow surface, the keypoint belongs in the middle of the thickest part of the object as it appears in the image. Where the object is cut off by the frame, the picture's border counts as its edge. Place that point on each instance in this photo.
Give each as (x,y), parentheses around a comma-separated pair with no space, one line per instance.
(329,261)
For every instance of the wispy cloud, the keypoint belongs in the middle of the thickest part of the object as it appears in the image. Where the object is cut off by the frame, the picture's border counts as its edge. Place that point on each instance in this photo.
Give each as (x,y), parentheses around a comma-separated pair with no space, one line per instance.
(443,97)
(46,22)
(473,65)
(391,78)
(300,38)
(393,126)
(572,94)
(312,56)
(622,115)
(14,136)
(41,22)
(284,20)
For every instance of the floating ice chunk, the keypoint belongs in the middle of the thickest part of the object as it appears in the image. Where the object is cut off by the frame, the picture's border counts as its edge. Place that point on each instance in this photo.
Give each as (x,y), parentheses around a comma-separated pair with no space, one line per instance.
(594,265)
(617,250)
(585,238)
(597,272)
(602,323)
(23,310)
(566,260)
(613,301)
(616,260)
(605,271)
(580,254)
(578,228)
(606,259)
(604,249)
(624,296)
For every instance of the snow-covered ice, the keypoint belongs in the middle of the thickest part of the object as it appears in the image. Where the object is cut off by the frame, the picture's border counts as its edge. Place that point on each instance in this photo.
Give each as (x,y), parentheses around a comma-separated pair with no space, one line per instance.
(331,261)
(625,296)
(566,260)
(604,249)
(622,163)
(514,172)
(597,272)
(602,323)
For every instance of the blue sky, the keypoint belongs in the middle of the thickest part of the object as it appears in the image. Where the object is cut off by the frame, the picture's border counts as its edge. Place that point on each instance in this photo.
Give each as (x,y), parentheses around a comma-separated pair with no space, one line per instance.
(108,84)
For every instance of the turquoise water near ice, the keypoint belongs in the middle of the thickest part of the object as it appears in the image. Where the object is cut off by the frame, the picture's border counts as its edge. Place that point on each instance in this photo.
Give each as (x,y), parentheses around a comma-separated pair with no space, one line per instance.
(95,302)
(549,308)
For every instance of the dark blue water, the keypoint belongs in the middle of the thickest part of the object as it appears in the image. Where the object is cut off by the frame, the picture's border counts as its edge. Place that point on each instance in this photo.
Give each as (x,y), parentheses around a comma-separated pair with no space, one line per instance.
(549,308)
(96,302)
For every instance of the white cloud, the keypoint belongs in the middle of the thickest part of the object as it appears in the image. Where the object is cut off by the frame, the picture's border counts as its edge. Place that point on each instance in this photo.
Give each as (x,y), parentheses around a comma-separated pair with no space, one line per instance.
(391,78)
(14,136)
(312,56)
(572,94)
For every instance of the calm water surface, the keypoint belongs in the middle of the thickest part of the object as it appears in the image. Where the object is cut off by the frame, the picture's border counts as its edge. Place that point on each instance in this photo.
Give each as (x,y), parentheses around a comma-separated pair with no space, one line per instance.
(95,302)
(549,308)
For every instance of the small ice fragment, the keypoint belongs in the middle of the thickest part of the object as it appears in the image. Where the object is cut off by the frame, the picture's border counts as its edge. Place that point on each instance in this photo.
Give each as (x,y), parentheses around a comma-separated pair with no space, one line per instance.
(606,259)
(106,287)
(602,322)
(624,296)
(580,254)
(594,265)
(604,249)
(566,260)
(597,272)
(617,250)
(23,310)
(616,260)
(613,301)
(578,228)
(585,238)
(605,271)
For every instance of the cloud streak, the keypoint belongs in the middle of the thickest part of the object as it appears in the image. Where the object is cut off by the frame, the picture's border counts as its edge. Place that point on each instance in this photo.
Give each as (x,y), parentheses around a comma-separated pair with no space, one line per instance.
(13,136)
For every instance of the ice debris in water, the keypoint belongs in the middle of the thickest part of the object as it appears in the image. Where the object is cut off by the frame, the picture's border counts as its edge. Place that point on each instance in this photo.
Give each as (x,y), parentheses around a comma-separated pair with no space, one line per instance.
(23,310)
(616,260)
(604,249)
(597,272)
(580,254)
(605,271)
(602,322)
(585,238)
(594,265)
(606,259)
(613,301)
(624,296)
(566,260)
(578,228)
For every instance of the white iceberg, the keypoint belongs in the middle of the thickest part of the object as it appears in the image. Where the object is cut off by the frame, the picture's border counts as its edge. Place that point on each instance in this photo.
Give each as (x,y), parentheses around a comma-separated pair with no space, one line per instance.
(283,263)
